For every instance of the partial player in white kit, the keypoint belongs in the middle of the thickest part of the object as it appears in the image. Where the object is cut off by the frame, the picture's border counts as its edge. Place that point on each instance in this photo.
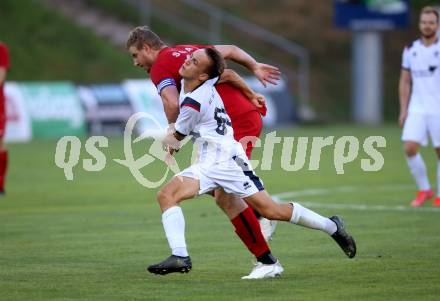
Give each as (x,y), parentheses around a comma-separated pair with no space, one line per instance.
(222,163)
(419,94)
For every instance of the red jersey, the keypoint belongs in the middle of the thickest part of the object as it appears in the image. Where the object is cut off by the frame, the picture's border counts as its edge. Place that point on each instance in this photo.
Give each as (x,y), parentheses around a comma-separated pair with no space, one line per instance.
(165,72)
(4,63)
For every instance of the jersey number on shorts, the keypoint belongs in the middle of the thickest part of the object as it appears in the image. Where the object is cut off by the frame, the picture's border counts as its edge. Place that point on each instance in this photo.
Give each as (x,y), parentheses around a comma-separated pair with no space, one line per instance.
(221,121)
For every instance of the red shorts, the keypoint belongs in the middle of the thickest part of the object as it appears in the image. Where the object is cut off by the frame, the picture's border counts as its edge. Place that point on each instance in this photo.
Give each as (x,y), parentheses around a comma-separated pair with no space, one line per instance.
(247,127)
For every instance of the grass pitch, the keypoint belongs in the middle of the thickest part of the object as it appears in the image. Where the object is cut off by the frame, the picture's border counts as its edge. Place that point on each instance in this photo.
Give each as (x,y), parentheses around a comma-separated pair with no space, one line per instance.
(91,238)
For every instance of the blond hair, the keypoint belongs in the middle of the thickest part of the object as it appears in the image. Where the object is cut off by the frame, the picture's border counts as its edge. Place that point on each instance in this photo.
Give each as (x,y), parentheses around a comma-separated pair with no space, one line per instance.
(143,35)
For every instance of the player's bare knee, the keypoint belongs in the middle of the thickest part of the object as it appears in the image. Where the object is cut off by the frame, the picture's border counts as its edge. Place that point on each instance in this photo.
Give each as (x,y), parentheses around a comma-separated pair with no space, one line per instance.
(410,152)
(411,149)
(164,197)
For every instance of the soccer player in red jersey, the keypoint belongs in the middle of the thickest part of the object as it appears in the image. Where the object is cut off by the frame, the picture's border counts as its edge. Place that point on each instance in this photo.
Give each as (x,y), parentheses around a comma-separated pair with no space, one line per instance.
(163,64)
(4,66)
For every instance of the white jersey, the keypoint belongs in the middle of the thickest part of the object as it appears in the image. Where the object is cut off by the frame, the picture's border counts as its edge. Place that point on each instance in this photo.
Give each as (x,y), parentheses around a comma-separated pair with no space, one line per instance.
(202,114)
(424,64)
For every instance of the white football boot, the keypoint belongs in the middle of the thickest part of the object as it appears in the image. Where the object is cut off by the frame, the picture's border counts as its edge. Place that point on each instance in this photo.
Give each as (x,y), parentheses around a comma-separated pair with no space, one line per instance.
(267,227)
(261,271)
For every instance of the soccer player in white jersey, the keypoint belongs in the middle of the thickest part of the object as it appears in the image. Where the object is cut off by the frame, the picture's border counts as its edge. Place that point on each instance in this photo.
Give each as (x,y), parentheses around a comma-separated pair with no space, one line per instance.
(419,95)
(222,163)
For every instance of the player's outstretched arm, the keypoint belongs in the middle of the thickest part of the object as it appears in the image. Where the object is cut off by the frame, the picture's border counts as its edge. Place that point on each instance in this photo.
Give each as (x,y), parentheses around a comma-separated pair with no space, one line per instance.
(170,100)
(404,94)
(231,77)
(264,72)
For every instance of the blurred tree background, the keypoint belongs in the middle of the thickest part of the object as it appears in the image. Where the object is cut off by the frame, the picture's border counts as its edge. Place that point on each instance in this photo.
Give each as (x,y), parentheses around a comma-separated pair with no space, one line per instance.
(46,46)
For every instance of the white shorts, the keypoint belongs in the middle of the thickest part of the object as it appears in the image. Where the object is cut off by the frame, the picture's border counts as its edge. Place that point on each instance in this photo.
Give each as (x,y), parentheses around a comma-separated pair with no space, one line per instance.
(235,176)
(417,127)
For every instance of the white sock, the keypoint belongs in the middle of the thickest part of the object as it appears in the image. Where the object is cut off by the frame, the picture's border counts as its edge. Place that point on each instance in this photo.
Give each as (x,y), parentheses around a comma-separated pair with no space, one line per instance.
(310,219)
(174,226)
(438,178)
(418,170)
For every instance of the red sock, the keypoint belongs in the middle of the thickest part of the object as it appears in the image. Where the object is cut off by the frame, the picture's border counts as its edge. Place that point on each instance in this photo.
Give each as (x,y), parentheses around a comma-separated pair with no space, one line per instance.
(248,229)
(3,168)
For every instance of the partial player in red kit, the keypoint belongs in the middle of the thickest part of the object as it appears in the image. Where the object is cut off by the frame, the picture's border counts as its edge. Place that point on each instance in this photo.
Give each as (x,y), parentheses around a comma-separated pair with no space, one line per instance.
(4,66)
(163,64)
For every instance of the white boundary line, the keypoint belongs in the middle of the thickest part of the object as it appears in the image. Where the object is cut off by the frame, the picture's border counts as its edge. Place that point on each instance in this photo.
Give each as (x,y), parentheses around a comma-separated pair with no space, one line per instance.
(359,207)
